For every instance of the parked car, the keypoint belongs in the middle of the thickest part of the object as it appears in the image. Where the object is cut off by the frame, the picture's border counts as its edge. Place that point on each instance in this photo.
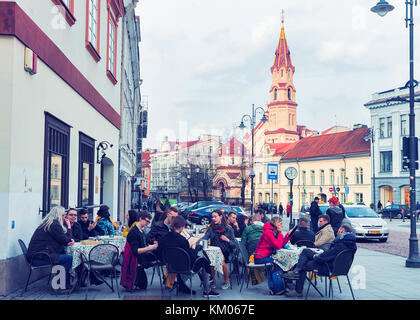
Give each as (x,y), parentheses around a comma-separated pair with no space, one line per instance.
(200,204)
(366,223)
(395,211)
(238,209)
(203,215)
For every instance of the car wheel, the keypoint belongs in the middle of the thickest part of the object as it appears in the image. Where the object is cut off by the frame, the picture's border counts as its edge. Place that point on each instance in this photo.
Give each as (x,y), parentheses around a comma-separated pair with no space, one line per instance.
(205,221)
(383,240)
(399,216)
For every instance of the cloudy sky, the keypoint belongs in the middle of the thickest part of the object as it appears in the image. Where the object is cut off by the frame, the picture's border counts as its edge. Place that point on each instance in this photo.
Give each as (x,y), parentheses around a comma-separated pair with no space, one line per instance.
(204,63)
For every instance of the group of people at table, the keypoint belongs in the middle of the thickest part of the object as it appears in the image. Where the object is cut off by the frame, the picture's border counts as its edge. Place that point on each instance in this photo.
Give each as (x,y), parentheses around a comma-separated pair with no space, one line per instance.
(146,239)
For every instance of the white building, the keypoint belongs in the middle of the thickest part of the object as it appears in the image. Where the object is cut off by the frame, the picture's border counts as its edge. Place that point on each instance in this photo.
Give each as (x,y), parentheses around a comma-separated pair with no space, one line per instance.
(169,165)
(131,107)
(60,114)
(390,123)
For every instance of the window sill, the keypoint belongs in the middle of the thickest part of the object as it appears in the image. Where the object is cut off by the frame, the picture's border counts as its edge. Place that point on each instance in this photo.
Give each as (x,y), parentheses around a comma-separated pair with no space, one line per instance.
(68,15)
(95,55)
(111,77)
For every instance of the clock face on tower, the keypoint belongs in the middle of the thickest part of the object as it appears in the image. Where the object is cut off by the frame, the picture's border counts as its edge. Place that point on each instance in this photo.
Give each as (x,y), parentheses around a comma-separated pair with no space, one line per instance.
(291,173)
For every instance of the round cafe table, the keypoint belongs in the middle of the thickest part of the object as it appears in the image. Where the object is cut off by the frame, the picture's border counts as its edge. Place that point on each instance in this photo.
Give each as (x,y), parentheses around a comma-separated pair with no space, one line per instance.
(78,249)
(216,257)
(287,258)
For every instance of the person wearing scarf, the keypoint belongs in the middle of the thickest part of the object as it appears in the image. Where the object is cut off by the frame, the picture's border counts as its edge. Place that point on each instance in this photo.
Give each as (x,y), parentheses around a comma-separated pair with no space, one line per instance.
(222,236)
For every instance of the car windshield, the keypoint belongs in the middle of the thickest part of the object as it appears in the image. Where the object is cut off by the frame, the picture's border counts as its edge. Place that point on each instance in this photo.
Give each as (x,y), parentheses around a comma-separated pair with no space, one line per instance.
(360,212)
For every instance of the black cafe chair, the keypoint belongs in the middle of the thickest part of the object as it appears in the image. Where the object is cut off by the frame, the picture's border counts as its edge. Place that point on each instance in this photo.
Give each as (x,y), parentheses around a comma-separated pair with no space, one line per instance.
(178,261)
(305,243)
(96,266)
(39,255)
(341,267)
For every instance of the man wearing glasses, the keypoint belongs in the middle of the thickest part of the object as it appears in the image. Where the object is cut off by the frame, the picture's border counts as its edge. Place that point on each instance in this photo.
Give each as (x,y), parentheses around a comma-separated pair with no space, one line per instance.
(75,226)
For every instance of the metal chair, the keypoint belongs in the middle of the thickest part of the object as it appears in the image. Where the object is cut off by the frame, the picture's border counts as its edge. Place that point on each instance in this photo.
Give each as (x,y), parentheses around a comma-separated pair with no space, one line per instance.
(178,261)
(305,243)
(40,255)
(244,261)
(103,257)
(341,267)
(152,261)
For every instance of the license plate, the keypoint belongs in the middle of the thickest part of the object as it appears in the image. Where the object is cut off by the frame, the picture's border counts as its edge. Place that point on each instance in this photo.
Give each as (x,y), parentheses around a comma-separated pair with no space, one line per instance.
(374,232)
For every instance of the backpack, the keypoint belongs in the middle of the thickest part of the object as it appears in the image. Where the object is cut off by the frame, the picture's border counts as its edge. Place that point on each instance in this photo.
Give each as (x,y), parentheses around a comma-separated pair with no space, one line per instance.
(276,283)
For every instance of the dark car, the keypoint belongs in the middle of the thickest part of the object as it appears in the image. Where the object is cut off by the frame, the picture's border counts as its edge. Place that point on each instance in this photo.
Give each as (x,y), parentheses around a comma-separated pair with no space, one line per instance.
(200,204)
(395,211)
(203,215)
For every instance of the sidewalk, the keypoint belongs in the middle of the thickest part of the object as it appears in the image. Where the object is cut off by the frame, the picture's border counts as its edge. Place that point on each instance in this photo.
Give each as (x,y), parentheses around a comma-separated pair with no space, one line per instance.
(374,276)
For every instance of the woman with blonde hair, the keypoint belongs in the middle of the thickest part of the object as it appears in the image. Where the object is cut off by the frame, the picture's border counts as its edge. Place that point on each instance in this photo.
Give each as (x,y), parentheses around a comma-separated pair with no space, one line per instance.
(51,236)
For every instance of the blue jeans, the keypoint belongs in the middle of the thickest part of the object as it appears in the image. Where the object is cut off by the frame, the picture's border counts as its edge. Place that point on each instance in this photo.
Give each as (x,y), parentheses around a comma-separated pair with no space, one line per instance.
(63,259)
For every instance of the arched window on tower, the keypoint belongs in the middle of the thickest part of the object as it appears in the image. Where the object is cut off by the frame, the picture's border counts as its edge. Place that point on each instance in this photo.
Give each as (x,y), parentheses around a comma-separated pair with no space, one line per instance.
(281,73)
(275,94)
(289,94)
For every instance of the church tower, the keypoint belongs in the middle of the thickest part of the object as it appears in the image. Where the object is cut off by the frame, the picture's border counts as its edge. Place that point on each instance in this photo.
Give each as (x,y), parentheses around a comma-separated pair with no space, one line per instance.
(282,127)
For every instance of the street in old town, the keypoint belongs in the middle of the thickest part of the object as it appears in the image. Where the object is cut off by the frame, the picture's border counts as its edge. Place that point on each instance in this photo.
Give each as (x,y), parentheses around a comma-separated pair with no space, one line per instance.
(211,151)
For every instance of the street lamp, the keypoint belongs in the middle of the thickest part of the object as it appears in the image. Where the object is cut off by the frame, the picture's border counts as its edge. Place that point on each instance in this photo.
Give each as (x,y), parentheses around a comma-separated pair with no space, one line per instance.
(382,8)
(252,120)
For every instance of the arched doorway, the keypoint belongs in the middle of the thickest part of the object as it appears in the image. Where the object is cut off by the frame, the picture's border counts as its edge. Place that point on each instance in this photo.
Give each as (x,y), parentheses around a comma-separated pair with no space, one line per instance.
(107,183)
(405,195)
(387,194)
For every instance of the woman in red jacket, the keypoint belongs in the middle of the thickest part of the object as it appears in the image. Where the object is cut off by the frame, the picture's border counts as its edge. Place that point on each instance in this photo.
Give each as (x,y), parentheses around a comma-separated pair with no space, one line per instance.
(272,239)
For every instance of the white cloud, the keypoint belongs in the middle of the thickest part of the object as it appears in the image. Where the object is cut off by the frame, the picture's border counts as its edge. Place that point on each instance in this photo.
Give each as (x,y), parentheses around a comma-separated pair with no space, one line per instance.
(206,63)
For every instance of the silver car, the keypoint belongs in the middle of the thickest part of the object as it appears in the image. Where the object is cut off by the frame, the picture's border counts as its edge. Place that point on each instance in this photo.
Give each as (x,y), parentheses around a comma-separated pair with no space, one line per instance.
(366,223)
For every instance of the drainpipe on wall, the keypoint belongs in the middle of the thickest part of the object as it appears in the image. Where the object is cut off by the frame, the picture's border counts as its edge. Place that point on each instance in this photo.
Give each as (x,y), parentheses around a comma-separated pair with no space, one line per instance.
(126,13)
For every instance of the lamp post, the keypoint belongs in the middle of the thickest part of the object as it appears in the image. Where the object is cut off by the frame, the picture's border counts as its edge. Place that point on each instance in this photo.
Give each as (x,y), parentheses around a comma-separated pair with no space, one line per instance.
(252,119)
(197,171)
(371,137)
(382,8)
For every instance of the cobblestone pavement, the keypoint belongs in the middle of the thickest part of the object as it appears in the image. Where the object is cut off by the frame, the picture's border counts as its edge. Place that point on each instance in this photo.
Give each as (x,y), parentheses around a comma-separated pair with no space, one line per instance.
(397,244)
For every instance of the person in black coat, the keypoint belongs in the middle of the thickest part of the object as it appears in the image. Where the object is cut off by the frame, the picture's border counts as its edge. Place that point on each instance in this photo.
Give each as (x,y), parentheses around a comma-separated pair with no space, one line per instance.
(199,263)
(309,260)
(162,227)
(51,237)
(75,226)
(302,233)
(315,212)
(89,228)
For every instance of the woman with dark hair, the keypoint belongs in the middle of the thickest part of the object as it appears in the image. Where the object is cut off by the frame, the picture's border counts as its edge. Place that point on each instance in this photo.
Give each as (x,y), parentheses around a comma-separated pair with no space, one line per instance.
(242,223)
(199,264)
(158,207)
(222,236)
(104,222)
(137,252)
(133,217)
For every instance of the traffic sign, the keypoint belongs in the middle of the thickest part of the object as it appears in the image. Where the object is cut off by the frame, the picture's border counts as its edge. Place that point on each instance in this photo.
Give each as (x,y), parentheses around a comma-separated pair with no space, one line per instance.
(337,189)
(272,171)
(331,189)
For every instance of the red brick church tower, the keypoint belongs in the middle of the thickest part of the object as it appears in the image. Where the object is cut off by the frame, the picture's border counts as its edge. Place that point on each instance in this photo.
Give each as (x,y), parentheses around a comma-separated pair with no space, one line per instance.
(282,125)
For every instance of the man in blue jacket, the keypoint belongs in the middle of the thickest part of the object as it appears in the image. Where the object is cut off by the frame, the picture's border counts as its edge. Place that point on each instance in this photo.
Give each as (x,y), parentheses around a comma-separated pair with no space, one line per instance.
(309,260)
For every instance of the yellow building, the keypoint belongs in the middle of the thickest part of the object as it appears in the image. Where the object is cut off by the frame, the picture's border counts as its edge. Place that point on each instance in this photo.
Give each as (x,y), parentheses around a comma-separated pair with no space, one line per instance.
(329,165)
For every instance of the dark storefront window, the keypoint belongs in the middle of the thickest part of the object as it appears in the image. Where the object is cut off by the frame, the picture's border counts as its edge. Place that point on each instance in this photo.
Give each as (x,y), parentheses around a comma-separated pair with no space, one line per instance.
(86,170)
(56,163)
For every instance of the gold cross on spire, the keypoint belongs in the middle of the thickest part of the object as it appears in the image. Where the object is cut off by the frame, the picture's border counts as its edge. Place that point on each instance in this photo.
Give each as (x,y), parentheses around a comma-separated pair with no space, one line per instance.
(282,16)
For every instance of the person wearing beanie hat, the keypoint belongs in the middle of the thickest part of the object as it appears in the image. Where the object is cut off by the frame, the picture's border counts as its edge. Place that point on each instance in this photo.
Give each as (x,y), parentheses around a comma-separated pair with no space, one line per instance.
(335,213)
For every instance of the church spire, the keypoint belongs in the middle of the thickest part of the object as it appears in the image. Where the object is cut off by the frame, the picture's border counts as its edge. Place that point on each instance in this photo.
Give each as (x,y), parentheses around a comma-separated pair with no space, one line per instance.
(282,55)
